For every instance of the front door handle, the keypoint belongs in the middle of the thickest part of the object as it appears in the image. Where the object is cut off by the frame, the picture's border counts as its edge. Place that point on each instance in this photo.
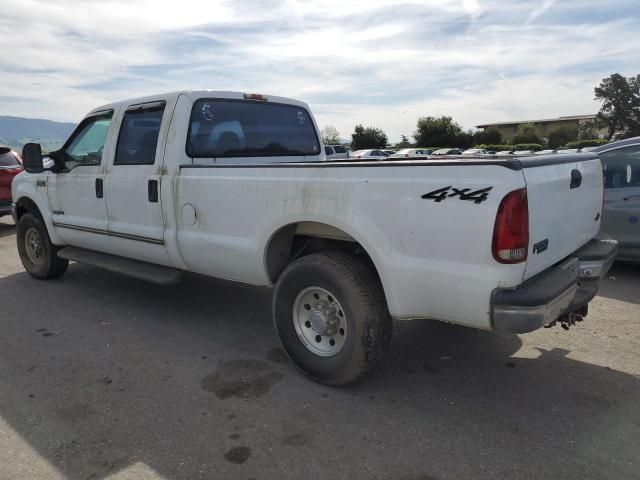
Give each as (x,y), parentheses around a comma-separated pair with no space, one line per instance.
(632,197)
(99,188)
(152,189)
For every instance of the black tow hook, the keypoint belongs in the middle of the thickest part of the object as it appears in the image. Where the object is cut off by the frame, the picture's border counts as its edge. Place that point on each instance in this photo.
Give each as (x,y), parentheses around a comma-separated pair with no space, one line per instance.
(569,319)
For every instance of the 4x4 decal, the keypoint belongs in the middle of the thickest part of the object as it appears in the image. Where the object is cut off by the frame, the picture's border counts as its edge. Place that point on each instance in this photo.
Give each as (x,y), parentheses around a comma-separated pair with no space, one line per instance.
(476,196)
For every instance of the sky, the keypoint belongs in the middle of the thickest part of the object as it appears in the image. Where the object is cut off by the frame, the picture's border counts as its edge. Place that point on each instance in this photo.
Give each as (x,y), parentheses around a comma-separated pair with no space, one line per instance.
(376,62)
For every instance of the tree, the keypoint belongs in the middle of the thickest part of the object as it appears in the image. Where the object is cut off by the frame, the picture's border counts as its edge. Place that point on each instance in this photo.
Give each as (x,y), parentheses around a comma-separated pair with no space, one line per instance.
(588,129)
(526,134)
(404,142)
(562,135)
(330,135)
(439,132)
(369,137)
(620,110)
(490,136)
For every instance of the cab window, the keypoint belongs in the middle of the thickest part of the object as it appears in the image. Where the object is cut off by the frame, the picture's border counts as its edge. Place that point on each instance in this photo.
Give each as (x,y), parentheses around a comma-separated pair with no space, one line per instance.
(138,139)
(228,128)
(622,167)
(85,147)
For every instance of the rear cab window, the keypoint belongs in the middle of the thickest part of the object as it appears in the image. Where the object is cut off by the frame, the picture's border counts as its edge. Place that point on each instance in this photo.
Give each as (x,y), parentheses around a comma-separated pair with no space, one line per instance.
(340,149)
(235,129)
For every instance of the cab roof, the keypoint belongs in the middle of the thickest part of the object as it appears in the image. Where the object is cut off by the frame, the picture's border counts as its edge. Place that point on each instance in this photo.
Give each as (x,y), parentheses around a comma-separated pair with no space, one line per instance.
(198,94)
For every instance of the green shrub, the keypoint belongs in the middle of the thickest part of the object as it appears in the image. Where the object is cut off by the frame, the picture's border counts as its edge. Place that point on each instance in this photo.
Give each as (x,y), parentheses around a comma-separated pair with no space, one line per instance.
(594,142)
(496,148)
(528,146)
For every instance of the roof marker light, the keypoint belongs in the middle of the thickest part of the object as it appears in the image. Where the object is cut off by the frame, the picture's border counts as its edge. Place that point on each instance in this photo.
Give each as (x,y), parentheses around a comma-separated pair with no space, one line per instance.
(255,96)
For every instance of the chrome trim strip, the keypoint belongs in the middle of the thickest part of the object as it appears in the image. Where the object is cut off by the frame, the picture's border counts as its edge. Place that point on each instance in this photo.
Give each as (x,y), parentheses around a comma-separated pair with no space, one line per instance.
(98,231)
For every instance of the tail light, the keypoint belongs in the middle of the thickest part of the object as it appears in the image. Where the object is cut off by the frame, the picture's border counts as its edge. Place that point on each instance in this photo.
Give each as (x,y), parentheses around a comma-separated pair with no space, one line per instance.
(511,230)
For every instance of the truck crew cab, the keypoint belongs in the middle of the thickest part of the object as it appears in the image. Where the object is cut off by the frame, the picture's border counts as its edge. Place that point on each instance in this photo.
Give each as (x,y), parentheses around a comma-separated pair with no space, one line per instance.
(237,186)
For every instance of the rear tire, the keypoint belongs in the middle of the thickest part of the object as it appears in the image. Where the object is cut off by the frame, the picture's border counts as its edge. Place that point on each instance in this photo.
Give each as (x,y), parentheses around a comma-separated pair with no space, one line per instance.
(37,253)
(331,316)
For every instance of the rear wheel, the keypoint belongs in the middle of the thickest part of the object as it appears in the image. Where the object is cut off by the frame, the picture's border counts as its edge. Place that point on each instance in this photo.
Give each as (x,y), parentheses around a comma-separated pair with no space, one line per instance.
(331,317)
(37,253)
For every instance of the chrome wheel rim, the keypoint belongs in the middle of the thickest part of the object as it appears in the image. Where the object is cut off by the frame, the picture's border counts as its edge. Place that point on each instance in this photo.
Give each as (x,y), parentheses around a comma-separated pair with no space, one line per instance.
(33,246)
(320,321)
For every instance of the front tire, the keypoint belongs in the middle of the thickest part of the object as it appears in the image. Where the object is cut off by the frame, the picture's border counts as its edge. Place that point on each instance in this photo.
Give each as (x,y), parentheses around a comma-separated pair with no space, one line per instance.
(37,253)
(330,314)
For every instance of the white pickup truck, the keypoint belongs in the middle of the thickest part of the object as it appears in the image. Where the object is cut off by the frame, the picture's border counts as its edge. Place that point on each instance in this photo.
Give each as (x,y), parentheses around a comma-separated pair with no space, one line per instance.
(237,186)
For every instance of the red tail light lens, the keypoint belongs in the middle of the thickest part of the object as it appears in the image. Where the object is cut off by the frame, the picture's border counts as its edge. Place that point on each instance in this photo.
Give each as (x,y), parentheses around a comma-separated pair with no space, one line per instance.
(511,231)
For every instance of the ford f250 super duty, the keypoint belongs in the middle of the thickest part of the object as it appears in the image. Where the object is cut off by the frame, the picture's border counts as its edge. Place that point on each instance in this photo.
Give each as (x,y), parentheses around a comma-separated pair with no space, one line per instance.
(237,186)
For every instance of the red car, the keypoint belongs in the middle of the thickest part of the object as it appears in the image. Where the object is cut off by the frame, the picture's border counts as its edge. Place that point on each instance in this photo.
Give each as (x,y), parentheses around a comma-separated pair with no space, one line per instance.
(10,166)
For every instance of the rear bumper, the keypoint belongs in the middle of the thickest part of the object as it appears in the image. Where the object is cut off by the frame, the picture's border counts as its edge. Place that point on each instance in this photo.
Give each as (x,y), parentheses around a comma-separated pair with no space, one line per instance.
(567,287)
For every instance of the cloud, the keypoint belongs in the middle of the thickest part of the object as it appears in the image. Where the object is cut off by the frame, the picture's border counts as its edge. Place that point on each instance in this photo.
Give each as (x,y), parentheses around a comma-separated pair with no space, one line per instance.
(545,5)
(376,62)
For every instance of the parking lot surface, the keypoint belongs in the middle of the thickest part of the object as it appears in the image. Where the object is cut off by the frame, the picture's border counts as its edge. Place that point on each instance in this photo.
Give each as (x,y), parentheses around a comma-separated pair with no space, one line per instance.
(103,376)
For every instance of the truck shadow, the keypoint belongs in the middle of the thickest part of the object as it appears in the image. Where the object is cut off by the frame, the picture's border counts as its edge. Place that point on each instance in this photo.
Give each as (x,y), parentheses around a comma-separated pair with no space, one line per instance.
(99,373)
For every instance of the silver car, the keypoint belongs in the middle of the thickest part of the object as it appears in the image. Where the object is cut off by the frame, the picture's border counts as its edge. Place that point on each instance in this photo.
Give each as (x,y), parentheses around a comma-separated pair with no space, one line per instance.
(621,216)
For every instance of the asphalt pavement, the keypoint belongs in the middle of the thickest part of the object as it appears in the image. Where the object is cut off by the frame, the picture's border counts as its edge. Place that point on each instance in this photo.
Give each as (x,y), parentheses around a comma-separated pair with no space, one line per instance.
(103,376)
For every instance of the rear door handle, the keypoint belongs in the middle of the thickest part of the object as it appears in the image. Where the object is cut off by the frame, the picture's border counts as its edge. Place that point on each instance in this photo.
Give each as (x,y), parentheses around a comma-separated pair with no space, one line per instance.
(152,189)
(99,188)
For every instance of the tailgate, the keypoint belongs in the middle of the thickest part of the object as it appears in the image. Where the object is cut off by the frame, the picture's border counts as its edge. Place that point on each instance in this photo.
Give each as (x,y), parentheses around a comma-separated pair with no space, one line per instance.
(565,206)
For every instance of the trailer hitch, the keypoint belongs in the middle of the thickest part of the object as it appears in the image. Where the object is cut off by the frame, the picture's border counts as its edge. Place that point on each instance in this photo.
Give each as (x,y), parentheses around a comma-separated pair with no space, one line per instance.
(569,319)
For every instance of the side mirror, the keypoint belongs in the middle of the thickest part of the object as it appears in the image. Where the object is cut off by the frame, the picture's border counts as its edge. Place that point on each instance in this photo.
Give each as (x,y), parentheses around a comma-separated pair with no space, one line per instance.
(32,158)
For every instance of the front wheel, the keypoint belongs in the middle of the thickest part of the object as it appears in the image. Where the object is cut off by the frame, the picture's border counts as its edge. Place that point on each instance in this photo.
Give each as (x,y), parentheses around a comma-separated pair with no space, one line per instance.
(331,317)
(37,253)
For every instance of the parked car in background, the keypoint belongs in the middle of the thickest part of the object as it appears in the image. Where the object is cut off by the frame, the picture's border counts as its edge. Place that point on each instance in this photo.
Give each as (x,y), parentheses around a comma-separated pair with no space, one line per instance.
(546,152)
(621,214)
(587,149)
(10,166)
(569,150)
(368,154)
(476,151)
(389,152)
(523,152)
(335,152)
(504,153)
(411,152)
(447,151)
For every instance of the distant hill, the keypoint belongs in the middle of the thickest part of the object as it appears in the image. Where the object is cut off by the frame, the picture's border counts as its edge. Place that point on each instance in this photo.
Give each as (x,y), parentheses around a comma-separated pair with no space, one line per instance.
(16,131)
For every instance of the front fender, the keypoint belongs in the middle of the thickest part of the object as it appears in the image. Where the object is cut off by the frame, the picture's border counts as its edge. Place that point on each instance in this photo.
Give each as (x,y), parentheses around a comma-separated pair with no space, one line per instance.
(28,189)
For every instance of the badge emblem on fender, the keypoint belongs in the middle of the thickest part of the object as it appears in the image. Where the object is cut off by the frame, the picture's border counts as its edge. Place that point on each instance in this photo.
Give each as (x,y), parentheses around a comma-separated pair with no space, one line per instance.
(541,246)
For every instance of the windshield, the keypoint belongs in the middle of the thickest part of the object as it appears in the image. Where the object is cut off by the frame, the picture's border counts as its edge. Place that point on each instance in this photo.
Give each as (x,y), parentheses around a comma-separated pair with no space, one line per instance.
(8,159)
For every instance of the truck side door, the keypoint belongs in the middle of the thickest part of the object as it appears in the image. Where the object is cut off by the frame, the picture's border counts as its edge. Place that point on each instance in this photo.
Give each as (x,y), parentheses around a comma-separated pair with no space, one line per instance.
(76,194)
(132,185)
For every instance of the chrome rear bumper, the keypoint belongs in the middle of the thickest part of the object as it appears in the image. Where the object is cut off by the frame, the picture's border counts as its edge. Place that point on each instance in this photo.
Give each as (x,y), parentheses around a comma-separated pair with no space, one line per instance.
(567,287)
